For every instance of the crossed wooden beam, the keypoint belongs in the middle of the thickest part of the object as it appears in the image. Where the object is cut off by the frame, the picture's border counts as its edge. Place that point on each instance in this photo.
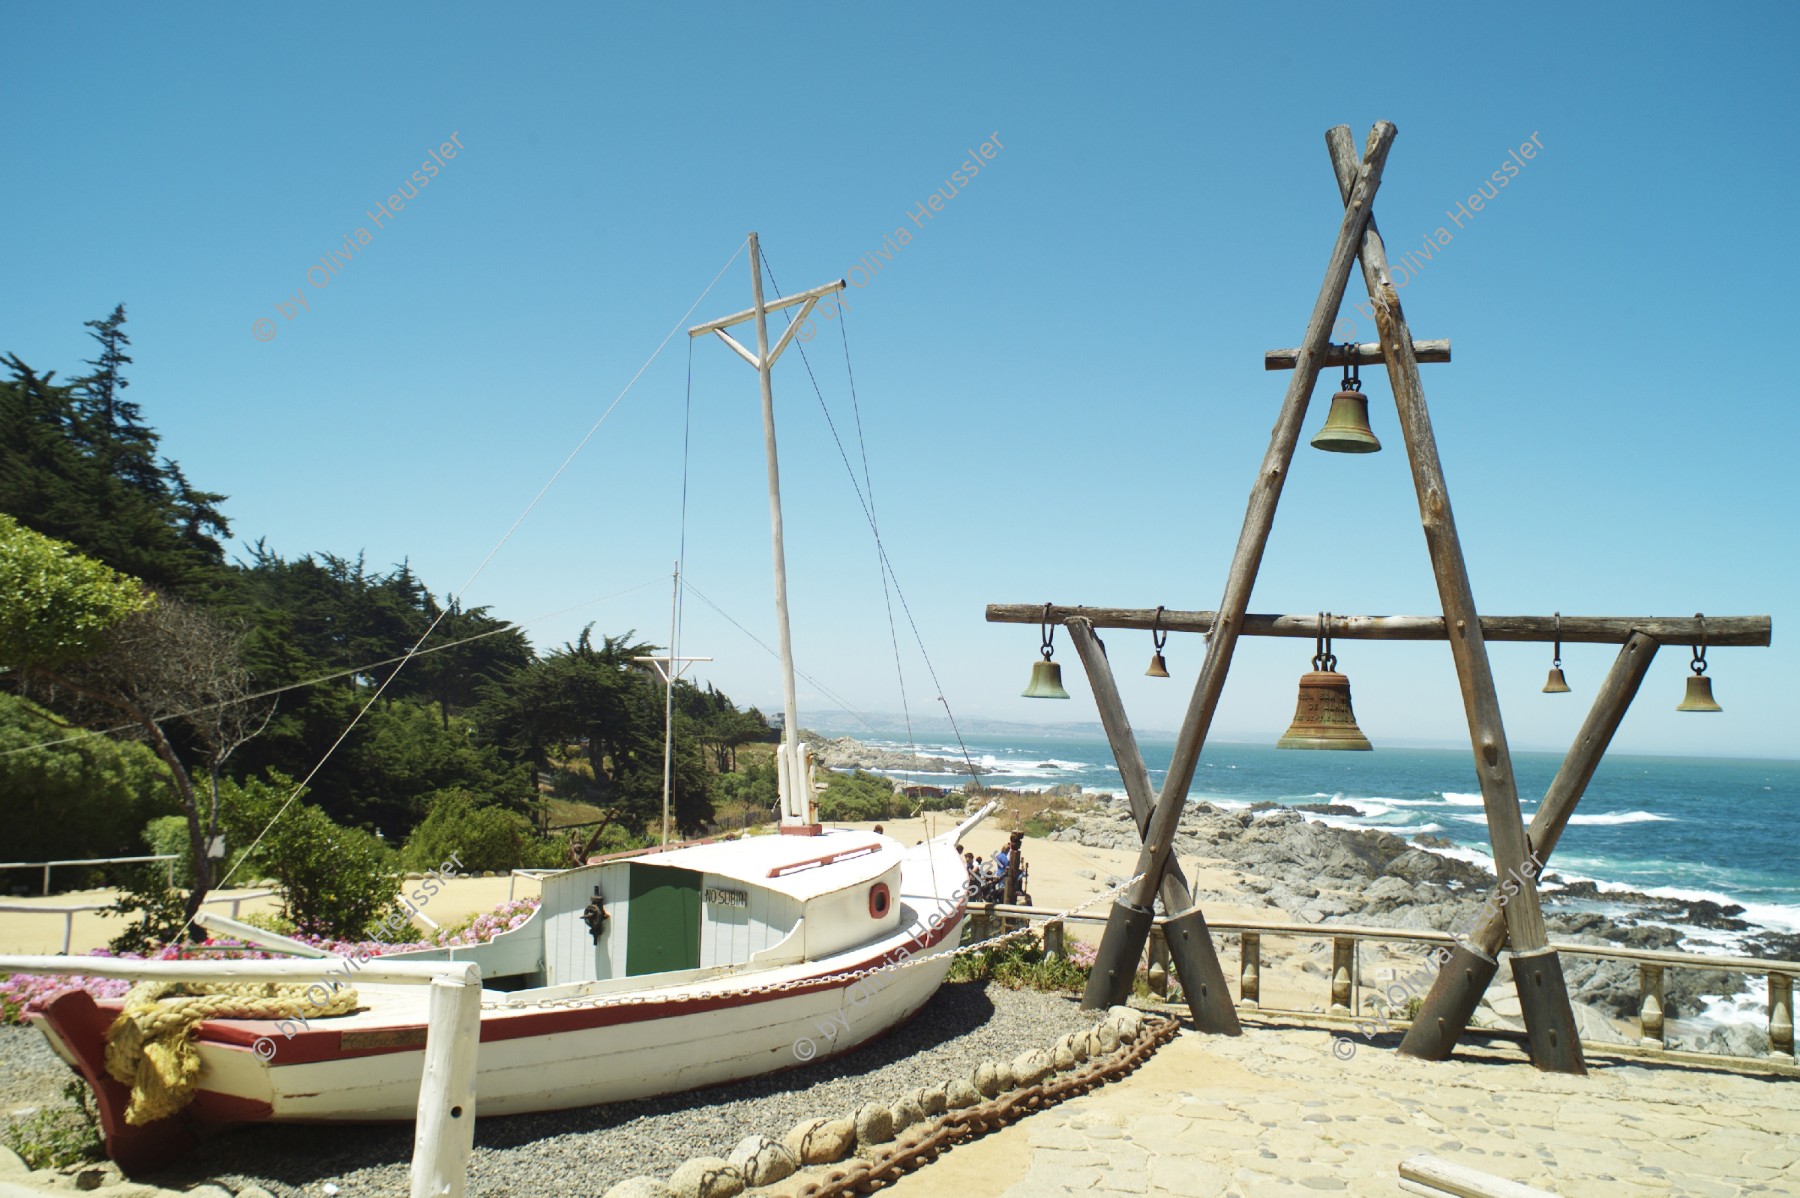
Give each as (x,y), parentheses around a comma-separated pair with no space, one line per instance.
(1537,970)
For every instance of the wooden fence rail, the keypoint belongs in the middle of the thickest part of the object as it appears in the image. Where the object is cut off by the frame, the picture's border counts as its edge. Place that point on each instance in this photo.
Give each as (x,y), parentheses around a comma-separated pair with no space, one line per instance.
(1345,982)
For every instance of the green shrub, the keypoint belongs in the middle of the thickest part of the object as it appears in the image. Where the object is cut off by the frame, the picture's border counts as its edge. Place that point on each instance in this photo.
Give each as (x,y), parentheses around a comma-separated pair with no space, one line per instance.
(81,797)
(334,882)
(1020,964)
(481,837)
(858,798)
(55,1137)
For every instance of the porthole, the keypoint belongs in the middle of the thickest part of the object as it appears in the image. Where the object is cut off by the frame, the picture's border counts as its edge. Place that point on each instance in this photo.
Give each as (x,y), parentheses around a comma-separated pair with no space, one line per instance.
(878,900)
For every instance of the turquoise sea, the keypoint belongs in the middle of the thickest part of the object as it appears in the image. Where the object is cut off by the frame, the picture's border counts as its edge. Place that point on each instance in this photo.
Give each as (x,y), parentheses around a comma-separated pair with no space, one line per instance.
(1683,828)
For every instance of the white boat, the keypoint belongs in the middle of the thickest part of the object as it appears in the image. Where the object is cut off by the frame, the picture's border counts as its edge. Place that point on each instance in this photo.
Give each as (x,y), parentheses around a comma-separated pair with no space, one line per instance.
(660,972)
(642,974)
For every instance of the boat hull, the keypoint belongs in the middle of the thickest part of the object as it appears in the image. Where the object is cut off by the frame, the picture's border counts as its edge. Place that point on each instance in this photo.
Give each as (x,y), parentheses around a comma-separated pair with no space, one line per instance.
(533,1058)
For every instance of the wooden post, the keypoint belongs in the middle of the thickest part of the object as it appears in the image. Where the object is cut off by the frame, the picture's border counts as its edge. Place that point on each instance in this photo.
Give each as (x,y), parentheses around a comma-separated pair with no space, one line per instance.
(1457,991)
(1125,927)
(445,1130)
(1053,939)
(1544,998)
(1342,951)
(1133,773)
(1250,969)
(1196,960)
(1781,1017)
(1650,1006)
(1158,973)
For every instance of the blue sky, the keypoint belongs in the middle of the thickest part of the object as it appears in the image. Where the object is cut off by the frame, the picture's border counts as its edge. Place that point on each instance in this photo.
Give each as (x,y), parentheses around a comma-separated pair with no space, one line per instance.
(1059,376)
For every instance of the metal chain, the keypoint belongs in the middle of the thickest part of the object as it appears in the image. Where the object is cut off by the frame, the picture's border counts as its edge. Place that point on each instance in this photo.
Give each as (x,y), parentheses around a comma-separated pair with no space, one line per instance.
(847,976)
(922,1146)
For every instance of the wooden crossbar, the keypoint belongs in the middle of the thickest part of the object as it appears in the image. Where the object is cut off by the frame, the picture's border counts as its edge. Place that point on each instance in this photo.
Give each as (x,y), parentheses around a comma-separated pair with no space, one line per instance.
(1720,631)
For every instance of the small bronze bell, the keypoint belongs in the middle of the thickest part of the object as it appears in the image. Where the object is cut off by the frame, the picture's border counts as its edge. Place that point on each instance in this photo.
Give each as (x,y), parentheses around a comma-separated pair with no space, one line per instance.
(1556,684)
(1046,675)
(1699,695)
(1322,715)
(1158,638)
(1046,681)
(1699,691)
(1347,425)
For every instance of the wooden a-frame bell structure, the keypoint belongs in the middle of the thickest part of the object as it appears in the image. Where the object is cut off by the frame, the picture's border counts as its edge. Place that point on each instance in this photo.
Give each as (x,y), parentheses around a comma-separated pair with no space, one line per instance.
(1517,924)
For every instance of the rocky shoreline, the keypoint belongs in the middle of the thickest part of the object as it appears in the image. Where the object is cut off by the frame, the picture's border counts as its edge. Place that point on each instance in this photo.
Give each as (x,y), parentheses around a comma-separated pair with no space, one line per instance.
(1316,873)
(848,753)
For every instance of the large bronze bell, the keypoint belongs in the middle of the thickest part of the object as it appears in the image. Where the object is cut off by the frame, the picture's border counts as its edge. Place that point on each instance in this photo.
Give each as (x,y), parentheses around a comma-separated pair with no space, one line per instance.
(1347,427)
(1046,681)
(1322,716)
(1699,695)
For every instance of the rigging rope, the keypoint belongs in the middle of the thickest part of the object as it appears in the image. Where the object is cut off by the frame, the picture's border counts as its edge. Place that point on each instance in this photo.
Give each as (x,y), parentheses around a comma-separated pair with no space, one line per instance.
(880,546)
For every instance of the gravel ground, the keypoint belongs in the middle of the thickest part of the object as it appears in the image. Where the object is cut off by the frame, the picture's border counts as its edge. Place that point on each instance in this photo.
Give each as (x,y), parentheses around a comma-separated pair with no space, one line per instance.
(31,1075)
(585,1152)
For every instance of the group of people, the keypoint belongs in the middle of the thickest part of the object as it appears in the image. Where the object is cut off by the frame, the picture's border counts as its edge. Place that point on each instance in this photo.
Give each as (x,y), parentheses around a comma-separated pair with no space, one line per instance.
(987,879)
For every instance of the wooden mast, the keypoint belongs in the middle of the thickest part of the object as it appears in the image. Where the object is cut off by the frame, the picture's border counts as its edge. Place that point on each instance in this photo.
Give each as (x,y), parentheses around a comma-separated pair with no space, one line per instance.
(792,773)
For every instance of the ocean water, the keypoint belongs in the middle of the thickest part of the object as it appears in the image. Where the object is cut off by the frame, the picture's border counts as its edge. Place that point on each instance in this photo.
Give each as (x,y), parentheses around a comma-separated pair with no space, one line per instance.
(1683,828)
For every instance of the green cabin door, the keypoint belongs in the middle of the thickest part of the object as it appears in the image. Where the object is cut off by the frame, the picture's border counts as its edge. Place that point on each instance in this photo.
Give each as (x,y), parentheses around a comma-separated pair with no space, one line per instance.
(663,925)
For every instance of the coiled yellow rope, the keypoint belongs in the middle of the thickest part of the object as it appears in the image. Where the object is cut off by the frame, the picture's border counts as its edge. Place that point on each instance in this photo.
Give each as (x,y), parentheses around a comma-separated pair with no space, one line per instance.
(150,1046)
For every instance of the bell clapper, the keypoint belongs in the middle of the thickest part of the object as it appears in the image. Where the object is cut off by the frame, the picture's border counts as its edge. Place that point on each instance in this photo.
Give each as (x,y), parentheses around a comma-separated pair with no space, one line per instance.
(1556,684)
(1158,667)
(1699,686)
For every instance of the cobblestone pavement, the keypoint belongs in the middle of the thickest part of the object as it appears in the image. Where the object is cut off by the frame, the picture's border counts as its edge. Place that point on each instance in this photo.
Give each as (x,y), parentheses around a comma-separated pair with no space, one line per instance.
(1275,1112)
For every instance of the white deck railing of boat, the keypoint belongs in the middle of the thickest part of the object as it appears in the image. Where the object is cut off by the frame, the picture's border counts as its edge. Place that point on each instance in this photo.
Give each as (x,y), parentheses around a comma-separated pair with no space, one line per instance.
(45,865)
(1346,975)
(70,910)
(445,1130)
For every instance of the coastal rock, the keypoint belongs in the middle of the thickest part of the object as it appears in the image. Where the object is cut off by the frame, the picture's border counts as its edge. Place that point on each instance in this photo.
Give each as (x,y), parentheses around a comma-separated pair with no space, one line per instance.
(961,1094)
(1077,1044)
(933,1100)
(762,1161)
(640,1187)
(820,1141)
(986,1080)
(874,1125)
(1063,1056)
(1105,1039)
(707,1177)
